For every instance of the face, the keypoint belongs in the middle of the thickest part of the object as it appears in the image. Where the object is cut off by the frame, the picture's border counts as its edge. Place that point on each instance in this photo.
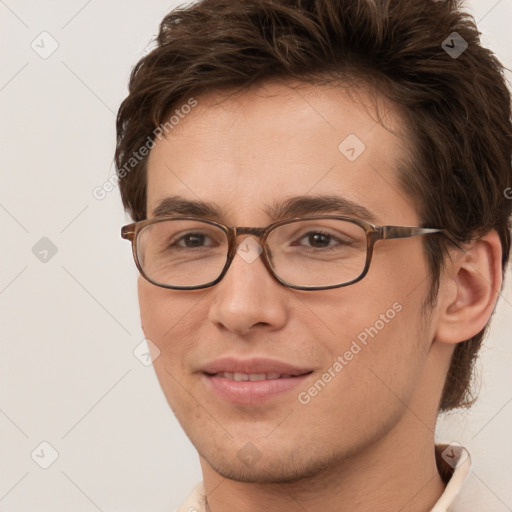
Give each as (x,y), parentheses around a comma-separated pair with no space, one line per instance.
(356,354)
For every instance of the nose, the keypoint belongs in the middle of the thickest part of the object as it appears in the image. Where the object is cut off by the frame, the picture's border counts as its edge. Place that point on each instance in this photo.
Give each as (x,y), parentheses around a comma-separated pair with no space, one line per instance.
(248,296)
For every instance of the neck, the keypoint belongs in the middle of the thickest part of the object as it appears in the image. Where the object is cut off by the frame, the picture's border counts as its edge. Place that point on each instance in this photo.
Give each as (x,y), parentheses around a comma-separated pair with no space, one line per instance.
(395,473)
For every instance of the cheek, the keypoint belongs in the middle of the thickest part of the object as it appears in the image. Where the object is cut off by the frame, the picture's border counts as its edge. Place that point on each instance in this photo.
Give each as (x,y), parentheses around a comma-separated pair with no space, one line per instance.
(176,322)
(163,314)
(372,371)
(150,305)
(377,328)
(162,310)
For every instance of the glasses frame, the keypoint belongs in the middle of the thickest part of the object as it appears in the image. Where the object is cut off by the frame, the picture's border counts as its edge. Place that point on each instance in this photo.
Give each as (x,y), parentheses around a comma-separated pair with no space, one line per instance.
(373,234)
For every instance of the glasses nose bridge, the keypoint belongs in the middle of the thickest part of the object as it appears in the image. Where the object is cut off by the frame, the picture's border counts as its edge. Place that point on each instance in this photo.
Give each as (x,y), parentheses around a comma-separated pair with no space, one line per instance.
(257,232)
(234,233)
(237,231)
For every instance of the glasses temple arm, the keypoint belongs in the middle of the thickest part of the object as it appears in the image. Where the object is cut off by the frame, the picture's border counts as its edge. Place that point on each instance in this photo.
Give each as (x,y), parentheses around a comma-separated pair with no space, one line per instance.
(128,232)
(390,232)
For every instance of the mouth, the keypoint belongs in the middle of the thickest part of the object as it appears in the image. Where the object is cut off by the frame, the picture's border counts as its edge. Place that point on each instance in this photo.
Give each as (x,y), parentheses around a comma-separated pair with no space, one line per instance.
(254,377)
(254,381)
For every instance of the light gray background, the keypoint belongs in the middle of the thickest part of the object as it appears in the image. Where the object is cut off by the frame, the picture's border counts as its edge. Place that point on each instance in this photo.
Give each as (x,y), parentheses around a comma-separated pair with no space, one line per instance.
(69,325)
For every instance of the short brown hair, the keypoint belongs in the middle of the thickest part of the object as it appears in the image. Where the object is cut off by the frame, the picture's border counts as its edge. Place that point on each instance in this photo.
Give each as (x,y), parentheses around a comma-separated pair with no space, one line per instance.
(457,109)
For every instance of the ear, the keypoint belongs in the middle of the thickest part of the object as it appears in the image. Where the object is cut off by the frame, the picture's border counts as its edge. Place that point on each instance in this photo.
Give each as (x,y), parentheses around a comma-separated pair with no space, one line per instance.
(469,289)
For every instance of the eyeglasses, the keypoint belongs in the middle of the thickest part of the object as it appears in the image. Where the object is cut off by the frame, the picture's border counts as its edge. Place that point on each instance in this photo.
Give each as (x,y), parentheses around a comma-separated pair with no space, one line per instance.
(308,253)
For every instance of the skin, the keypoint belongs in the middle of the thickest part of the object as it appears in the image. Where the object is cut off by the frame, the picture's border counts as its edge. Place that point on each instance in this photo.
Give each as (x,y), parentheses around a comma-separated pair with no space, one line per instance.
(366,441)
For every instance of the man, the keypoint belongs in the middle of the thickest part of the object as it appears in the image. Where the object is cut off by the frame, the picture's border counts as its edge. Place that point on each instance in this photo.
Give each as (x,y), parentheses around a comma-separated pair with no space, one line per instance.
(321,226)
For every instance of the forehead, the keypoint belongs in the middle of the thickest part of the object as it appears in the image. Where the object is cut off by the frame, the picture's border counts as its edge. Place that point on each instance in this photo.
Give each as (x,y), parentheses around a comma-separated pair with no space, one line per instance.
(245,151)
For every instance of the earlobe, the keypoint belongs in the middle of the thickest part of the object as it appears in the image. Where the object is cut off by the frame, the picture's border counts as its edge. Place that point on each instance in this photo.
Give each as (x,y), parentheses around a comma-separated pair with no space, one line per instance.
(472,282)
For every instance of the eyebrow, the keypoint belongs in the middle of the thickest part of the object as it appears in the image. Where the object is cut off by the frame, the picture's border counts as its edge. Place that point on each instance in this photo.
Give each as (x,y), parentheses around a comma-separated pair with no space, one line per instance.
(298,206)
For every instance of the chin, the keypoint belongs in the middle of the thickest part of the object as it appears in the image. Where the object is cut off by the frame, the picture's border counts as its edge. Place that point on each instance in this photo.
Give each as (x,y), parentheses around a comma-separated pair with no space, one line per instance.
(274,468)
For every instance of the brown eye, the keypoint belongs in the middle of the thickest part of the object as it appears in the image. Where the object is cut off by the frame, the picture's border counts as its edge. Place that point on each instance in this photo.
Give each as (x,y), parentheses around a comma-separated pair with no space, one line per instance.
(191,240)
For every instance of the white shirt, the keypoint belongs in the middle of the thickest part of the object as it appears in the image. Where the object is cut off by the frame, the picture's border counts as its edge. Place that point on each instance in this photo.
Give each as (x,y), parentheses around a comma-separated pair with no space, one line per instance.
(462,493)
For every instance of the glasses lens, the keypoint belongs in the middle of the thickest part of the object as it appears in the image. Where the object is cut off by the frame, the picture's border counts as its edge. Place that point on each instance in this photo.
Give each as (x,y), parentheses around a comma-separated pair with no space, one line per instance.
(182,252)
(320,252)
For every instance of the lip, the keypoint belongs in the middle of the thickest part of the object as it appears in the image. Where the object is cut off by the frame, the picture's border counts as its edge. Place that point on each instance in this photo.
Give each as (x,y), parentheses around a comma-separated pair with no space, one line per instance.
(253,365)
(252,392)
